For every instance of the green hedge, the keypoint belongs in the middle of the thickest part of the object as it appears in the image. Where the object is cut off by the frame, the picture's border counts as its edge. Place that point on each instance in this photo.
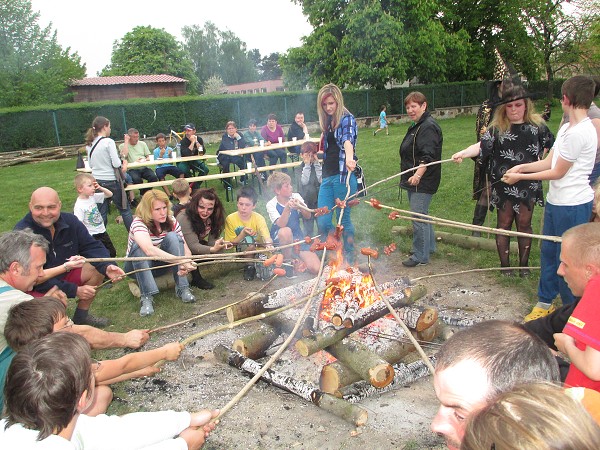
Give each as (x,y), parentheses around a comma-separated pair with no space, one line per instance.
(53,125)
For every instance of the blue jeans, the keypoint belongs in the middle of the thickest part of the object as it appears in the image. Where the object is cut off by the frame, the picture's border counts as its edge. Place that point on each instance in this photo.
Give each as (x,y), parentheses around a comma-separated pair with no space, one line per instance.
(116,188)
(557,220)
(595,174)
(173,244)
(330,189)
(423,235)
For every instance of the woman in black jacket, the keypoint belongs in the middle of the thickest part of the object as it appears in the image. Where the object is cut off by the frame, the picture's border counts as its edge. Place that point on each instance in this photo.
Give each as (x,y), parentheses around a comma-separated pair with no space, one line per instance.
(421,145)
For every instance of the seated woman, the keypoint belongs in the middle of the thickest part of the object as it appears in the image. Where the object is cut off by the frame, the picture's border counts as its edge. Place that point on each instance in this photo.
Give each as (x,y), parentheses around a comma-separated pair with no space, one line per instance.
(271,133)
(202,222)
(155,233)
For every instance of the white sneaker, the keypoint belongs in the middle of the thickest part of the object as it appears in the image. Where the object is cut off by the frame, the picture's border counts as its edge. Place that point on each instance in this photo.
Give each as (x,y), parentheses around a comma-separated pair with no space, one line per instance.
(185,295)
(147,308)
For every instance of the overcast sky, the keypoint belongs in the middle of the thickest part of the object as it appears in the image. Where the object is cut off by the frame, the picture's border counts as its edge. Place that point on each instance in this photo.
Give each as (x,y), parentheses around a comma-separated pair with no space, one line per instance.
(91,27)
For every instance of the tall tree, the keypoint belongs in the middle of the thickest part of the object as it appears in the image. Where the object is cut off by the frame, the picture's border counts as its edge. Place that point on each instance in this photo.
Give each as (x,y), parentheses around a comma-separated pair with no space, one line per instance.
(270,68)
(219,53)
(35,68)
(151,51)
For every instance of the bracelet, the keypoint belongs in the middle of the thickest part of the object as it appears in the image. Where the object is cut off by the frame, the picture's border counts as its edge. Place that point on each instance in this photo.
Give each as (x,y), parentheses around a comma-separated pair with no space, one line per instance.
(66,267)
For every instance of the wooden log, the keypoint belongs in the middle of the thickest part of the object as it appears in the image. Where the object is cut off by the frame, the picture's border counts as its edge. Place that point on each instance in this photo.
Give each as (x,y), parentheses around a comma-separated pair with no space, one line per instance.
(253,306)
(351,313)
(404,374)
(284,296)
(461,240)
(339,310)
(359,358)
(349,412)
(418,318)
(254,345)
(319,340)
(459,321)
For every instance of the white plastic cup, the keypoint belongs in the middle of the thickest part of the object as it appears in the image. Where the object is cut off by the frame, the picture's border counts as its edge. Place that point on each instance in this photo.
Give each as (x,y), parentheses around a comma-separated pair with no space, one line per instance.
(280,139)
(294,139)
(249,165)
(262,143)
(86,164)
(174,154)
(307,136)
(151,157)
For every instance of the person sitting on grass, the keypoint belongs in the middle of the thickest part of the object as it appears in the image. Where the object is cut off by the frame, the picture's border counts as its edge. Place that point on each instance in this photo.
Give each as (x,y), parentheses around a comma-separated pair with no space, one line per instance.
(182,192)
(245,227)
(154,232)
(162,170)
(86,209)
(50,384)
(40,317)
(285,210)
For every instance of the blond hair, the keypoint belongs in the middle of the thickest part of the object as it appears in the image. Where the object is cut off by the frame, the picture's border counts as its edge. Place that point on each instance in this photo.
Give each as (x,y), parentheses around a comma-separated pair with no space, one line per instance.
(277,179)
(536,416)
(325,120)
(81,178)
(144,211)
(584,243)
(180,187)
(501,122)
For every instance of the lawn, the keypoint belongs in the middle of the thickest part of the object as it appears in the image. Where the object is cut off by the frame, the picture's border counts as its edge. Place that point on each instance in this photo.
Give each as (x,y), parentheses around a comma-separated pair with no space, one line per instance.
(378,156)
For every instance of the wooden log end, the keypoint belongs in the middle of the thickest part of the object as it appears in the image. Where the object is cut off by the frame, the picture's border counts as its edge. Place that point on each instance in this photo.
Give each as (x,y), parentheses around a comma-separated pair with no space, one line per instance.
(240,347)
(302,347)
(336,321)
(427,319)
(381,375)
(329,381)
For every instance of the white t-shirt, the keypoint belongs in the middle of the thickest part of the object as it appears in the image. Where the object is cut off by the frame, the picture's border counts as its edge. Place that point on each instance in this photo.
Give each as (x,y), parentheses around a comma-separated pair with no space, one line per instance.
(575,144)
(8,298)
(86,210)
(272,206)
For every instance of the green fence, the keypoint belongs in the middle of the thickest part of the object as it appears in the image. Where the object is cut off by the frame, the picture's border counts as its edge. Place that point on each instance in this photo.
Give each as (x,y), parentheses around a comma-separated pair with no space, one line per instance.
(56,125)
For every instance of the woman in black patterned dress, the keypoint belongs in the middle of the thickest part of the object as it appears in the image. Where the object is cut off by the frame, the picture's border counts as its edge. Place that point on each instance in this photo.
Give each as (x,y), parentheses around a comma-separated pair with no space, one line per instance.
(515,136)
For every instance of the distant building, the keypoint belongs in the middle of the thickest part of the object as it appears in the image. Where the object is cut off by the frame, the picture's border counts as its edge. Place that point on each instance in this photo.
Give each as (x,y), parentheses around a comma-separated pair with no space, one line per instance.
(256,87)
(122,87)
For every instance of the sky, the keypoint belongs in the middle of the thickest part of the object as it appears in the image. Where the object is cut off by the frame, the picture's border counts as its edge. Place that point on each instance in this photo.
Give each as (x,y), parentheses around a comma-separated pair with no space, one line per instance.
(90,28)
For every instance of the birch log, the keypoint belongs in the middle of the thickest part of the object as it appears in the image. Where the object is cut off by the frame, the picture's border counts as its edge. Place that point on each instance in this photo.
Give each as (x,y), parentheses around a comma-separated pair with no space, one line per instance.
(253,306)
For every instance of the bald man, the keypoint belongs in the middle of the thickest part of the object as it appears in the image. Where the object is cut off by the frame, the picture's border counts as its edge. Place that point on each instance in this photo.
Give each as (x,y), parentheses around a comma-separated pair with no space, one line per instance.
(68,237)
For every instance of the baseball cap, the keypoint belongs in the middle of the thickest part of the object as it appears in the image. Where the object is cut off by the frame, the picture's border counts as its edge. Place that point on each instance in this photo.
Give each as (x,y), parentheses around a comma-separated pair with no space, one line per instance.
(189,126)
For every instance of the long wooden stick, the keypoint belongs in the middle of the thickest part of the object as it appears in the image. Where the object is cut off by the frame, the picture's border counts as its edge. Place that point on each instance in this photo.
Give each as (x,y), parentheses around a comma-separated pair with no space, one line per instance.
(418,217)
(461,272)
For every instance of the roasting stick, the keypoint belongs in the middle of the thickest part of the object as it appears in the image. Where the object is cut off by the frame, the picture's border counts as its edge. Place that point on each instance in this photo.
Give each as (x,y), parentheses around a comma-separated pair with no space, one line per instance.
(418,217)
(412,339)
(461,272)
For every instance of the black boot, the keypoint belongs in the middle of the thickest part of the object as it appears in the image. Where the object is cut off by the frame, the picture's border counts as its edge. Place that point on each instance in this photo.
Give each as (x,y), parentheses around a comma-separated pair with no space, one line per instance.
(199,282)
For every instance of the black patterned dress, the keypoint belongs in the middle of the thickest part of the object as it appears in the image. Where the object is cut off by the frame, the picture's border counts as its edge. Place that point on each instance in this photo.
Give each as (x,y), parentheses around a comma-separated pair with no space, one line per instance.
(522,143)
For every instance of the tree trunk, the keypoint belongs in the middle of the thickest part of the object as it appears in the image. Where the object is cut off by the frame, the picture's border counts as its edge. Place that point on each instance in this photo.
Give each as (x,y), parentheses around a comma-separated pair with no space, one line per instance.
(254,345)
(248,308)
(319,340)
(349,412)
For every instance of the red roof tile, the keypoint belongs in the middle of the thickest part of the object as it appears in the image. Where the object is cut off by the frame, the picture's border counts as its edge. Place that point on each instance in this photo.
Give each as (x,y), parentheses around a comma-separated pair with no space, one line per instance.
(130,79)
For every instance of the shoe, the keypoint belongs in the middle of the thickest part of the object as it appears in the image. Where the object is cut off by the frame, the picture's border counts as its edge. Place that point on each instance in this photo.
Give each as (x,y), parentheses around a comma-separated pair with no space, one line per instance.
(202,284)
(134,203)
(147,308)
(185,295)
(538,312)
(289,272)
(249,272)
(93,321)
(374,133)
(412,263)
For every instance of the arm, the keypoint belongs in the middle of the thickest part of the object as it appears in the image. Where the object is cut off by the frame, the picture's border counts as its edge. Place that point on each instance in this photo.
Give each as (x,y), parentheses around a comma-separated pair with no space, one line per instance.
(124,147)
(145,372)
(74,262)
(99,339)
(190,236)
(105,191)
(554,173)
(136,361)
(588,360)
(472,151)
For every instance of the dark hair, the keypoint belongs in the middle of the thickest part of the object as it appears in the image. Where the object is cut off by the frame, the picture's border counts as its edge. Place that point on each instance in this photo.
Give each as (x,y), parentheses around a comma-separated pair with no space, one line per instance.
(31,320)
(506,351)
(160,136)
(252,122)
(45,382)
(596,80)
(271,117)
(248,192)
(309,147)
(16,247)
(98,124)
(579,90)
(217,218)
(416,97)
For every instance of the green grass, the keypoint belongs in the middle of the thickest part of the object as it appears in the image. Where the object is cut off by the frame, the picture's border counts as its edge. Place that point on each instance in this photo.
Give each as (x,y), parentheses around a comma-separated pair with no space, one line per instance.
(378,156)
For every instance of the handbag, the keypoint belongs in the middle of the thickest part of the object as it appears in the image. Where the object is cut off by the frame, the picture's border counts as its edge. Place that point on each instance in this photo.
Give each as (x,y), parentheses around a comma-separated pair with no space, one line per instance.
(79,164)
(361,183)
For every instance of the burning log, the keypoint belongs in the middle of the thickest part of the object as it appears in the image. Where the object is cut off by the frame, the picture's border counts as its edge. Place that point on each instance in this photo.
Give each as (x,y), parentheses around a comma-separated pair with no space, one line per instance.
(347,411)
(418,318)
(284,296)
(351,313)
(319,340)
(362,361)
(251,307)
(405,374)
(339,310)
(255,344)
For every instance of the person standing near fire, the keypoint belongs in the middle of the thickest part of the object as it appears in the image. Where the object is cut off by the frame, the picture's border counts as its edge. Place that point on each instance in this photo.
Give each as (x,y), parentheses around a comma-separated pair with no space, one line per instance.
(339,134)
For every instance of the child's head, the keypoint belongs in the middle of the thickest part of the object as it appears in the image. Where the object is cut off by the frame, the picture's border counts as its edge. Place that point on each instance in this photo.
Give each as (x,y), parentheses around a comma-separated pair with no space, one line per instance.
(32,320)
(249,193)
(84,183)
(246,201)
(383,108)
(180,187)
(579,90)
(277,180)
(161,139)
(309,147)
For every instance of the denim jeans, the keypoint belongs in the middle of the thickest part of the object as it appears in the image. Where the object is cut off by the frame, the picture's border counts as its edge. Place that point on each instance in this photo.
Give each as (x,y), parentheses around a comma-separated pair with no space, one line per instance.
(557,220)
(116,188)
(173,244)
(330,189)
(423,235)
(139,175)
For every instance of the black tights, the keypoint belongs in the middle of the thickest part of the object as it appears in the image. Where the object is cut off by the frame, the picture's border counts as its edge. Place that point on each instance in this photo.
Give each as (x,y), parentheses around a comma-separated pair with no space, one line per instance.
(506,217)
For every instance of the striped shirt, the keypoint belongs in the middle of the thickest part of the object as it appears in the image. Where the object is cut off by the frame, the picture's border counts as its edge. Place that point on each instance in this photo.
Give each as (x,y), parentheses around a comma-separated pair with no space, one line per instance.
(138,226)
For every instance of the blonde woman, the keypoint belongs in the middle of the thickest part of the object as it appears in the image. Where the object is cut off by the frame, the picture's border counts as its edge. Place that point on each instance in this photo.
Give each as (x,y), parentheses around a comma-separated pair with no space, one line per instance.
(154,232)
(339,134)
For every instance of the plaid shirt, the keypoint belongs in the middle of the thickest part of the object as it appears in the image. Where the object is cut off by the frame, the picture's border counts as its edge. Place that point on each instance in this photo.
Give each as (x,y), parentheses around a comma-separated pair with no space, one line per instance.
(346,131)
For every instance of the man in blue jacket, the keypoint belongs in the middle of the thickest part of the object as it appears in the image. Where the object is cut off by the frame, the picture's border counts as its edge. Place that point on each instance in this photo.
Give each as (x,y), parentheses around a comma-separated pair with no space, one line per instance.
(68,237)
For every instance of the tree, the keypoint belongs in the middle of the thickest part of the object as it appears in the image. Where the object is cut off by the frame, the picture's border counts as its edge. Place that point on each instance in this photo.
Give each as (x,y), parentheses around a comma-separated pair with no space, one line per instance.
(214,85)
(151,51)
(270,68)
(35,68)
(221,53)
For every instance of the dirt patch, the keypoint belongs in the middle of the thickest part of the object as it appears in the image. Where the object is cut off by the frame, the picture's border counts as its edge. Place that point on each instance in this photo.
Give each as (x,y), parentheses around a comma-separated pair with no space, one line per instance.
(271,418)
